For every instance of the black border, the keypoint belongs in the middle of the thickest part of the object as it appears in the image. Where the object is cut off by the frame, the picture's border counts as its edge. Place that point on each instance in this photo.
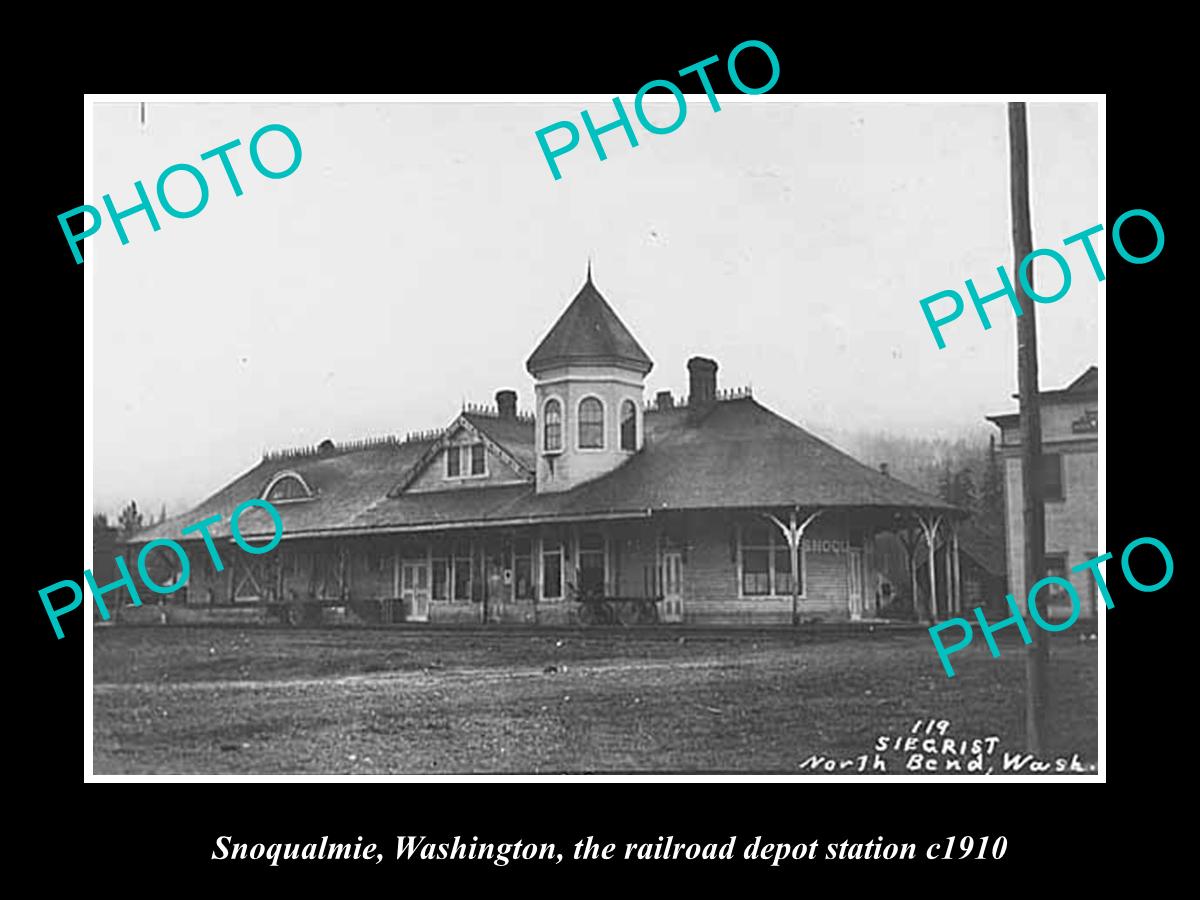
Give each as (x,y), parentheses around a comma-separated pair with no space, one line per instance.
(169,829)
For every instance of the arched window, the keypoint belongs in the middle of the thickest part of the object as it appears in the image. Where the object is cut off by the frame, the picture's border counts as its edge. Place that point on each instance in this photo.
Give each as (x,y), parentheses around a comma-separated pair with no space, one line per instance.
(591,424)
(287,486)
(628,426)
(552,418)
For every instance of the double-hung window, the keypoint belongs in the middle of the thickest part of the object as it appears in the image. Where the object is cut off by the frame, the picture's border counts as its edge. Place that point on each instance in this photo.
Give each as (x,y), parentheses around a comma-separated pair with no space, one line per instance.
(591,424)
(466,460)
(766,562)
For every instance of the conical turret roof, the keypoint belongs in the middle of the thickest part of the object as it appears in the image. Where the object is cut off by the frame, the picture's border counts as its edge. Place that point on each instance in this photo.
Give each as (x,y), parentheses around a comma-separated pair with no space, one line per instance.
(589,333)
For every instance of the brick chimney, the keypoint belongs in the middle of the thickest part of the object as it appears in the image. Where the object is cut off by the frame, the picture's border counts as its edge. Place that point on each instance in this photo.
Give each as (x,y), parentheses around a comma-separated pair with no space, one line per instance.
(664,400)
(702,381)
(506,403)
(883,470)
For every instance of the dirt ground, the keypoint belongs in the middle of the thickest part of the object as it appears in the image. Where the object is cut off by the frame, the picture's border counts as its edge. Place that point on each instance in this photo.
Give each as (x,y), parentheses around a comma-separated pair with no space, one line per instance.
(216,700)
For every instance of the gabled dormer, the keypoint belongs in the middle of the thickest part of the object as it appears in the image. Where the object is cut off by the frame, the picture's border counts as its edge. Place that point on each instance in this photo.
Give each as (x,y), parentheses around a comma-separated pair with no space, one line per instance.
(482,447)
(590,375)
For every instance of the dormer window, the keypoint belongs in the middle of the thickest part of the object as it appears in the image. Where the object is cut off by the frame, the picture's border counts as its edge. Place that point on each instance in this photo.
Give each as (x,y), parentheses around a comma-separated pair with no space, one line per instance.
(286,487)
(552,426)
(466,460)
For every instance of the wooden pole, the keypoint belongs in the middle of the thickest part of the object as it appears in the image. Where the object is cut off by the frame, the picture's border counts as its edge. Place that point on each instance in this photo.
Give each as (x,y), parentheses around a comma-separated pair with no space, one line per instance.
(1037,654)
(946,563)
(794,539)
(279,577)
(482,578)
(910,539)
(930,538)
(912,572)
(958,600)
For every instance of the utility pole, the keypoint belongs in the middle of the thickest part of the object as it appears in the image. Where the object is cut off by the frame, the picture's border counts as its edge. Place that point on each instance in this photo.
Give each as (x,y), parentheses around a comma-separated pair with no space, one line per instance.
(1037,655)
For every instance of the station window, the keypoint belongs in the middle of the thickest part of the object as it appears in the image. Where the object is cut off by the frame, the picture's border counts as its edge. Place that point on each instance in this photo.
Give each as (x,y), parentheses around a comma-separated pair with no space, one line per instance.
(591,564)
(462,571)
(766,562)
(522,569)
(441,578)
(552,566)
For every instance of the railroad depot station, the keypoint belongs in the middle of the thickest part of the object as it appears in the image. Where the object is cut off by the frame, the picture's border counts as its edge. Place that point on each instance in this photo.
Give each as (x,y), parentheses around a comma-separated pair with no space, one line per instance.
(597,506)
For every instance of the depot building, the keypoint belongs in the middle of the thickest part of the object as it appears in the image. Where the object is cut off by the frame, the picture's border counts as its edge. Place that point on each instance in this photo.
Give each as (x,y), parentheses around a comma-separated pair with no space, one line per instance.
(683,505)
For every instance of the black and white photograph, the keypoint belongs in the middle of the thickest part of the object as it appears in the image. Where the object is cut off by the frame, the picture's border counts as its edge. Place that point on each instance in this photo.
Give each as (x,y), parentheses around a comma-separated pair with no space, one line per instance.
(467,436)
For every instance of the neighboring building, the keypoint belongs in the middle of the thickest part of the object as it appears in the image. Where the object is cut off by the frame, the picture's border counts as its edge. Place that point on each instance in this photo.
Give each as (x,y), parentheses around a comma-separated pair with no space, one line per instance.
(1069,481)
(509,516)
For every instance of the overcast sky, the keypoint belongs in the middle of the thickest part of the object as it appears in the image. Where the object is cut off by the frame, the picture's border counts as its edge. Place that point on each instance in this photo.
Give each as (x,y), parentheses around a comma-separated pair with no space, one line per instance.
(420,252)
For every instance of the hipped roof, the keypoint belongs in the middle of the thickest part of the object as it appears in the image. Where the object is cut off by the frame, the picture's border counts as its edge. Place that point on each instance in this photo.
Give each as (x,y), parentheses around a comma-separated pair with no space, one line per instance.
(1085,387)
(733,454)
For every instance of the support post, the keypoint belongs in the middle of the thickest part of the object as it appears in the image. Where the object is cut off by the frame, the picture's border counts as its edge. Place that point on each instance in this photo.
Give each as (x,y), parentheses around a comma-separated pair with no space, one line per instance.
(793,533)
(846,572)
(279,596)
(946,564)
(482,578)
(958,602)
(535,573)
(930,528)
(933,604)
(910,540)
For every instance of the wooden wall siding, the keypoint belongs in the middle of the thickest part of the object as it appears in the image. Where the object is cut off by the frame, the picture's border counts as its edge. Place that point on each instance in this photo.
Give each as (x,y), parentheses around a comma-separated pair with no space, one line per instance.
(372,567)
(256,577)
(206,586)
(463,613)
(361,573)
(710,576)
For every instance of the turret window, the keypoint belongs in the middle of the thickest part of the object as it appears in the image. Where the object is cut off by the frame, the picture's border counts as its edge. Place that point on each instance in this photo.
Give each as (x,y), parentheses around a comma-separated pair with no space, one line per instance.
(591,424)
(552,418)
(628,426)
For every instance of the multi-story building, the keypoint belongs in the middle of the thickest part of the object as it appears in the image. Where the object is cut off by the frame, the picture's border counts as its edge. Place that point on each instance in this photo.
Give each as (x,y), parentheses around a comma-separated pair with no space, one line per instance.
(1070,491)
